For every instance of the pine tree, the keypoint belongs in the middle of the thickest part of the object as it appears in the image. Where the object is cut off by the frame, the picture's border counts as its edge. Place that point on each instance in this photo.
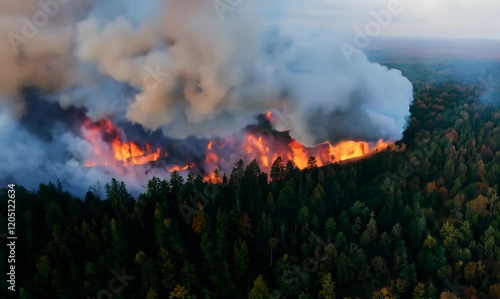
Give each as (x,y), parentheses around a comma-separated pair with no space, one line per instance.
(371,227)
(277,169)
(197,223)
(23,294)
(448,295)
(259,290)
(241,259)
(327,287)
(419,291)
(312,163)
(330,228)
(180,292)
(152,294)
(246,225)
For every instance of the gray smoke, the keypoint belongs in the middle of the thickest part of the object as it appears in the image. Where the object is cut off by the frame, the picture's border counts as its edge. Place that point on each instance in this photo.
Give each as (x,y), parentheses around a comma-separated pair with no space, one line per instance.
(187,68)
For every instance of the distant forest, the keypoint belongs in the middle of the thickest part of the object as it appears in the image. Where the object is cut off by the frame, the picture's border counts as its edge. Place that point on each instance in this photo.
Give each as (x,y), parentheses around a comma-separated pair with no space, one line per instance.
(419,221)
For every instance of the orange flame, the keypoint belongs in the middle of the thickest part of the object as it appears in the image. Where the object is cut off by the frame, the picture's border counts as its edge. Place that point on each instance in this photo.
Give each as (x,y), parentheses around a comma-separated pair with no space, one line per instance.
(299,154)
(213,178)
(130,152)
(125,152)
(256,147)
(181,168)
(211,158)
(264,149)
(269,115)
(353,149)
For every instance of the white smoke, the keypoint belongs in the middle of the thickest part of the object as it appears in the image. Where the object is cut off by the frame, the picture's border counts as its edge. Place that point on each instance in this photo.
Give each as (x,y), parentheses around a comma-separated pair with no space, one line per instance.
(194,73)
(199,75)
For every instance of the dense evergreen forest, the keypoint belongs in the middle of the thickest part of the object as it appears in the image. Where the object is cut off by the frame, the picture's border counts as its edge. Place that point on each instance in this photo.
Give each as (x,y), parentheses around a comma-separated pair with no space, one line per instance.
(421,220)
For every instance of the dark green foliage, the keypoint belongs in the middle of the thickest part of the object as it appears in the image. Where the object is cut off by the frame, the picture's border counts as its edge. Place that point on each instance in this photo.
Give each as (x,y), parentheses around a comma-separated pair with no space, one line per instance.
(400,223)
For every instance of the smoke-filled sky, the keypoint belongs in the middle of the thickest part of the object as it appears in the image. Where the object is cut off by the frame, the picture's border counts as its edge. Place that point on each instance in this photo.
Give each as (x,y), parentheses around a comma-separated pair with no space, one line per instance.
(199,68)
(418,18)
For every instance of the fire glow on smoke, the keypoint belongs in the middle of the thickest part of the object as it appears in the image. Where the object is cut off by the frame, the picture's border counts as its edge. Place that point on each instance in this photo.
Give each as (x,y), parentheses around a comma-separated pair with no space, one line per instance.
(170,87)
(110,148)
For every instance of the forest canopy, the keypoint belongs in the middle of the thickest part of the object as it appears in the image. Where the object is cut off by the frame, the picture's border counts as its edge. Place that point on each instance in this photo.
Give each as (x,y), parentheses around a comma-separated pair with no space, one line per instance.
(420,220)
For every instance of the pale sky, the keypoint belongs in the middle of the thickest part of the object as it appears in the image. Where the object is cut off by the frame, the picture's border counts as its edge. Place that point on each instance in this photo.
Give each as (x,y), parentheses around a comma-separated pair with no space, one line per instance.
(419,18)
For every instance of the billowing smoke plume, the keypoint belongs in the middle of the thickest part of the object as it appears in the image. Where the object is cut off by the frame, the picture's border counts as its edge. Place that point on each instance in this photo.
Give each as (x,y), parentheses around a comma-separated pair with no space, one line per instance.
(182,67)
